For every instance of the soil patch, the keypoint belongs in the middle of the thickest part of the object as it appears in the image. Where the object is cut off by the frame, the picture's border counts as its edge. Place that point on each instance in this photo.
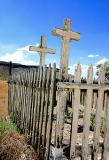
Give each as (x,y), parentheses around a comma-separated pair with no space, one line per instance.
(3,98)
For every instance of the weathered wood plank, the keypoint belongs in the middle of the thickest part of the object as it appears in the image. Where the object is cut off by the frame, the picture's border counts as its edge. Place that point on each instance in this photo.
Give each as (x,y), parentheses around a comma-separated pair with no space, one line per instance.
(23,102)
(42,50)
(98,115)
(49,127)
(18,102)
(30,90)
(35,107)
(42,110)
(39,107)
(70,86)
(87,114)
(32,103)
(46,106)
(61,105)
(27,103)
(106,137)
(75,110)
(69,34)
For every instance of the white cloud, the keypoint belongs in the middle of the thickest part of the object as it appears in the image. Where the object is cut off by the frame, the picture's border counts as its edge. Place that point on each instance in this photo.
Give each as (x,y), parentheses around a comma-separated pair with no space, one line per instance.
(26,48)
(93,55)
(102,61)
(19,56)
(84,69)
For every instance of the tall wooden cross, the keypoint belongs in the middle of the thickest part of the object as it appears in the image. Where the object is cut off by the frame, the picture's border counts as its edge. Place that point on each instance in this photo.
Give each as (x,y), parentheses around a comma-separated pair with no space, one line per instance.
(67,35)
(42,49)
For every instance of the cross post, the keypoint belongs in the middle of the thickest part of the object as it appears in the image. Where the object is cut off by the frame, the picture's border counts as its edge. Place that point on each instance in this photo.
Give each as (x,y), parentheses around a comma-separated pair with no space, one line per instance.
(67,35)
(42,50)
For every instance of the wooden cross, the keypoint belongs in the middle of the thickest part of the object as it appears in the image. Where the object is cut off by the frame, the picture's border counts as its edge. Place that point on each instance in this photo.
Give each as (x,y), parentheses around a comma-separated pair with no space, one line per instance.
(67,35)
(42,49)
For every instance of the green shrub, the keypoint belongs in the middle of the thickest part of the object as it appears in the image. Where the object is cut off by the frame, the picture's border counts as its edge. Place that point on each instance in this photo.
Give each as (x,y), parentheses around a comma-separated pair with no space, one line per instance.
(92,118)
(6,124)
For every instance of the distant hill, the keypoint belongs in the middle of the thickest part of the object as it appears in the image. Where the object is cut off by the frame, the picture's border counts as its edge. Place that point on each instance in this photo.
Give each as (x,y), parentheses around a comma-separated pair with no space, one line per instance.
(7,68)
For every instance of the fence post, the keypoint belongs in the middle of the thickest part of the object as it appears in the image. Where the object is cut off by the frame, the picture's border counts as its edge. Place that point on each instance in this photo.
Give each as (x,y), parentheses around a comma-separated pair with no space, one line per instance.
(61,105)
(10,68)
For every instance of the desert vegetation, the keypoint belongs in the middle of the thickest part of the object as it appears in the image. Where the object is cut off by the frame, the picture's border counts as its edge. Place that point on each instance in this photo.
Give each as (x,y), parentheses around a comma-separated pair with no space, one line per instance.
(12,144)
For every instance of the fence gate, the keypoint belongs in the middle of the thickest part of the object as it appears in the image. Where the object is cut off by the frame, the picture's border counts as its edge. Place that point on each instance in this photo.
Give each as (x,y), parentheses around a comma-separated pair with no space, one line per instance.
(82,132)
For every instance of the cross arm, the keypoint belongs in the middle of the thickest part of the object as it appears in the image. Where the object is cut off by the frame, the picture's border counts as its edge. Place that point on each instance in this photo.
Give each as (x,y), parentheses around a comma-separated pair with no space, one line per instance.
(42,50)
(68,34)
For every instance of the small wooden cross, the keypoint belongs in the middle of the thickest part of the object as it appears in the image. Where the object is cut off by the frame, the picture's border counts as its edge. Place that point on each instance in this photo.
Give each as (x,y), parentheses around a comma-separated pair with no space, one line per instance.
(67,35)
(42,49)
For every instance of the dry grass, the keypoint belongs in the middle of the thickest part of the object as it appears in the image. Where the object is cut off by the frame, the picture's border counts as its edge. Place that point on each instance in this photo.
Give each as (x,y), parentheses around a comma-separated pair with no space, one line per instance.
(3,98)
(14,147)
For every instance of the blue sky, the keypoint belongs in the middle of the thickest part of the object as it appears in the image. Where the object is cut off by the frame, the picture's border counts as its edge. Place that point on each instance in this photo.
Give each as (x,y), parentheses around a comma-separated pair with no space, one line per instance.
(22,22)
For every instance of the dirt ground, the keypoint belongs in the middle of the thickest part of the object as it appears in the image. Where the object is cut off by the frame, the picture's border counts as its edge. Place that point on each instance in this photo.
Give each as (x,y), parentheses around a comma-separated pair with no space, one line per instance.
(3,98)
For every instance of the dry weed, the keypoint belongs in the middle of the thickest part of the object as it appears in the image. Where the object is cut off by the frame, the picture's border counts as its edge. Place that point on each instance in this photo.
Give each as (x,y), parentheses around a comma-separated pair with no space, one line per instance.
(14,147)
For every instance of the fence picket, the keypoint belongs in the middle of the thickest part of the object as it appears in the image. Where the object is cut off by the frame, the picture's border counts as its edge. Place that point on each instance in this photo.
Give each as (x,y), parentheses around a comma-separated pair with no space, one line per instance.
(75,110)
(39,107)
(87,116)
(42,111)
(106,139)
(24,102)
(32,103)
(98,115)
(49,127)
(35,108)
(27,104)
(46,108)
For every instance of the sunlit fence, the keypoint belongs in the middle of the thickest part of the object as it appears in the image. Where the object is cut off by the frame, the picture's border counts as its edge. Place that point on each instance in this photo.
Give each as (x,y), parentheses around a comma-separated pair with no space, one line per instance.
(62,119)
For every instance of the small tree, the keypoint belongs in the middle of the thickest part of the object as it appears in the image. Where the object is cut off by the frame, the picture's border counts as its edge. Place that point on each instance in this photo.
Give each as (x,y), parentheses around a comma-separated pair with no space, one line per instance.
(106,69)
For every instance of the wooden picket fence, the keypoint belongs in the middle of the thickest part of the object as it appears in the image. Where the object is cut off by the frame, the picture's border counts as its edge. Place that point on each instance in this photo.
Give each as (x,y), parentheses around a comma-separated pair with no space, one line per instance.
(84,149)
(31,101)
(47,111)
